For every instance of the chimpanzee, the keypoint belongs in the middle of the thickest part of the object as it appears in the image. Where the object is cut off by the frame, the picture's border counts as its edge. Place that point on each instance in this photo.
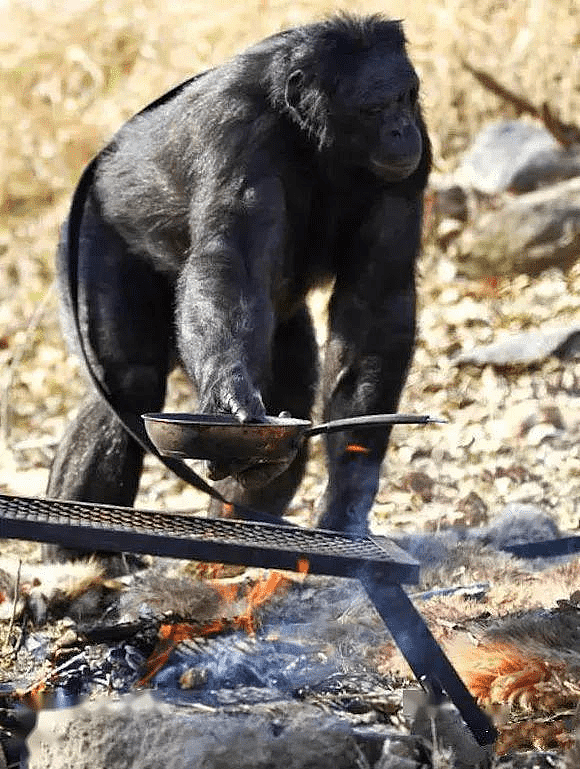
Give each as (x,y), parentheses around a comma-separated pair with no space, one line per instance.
(198,231)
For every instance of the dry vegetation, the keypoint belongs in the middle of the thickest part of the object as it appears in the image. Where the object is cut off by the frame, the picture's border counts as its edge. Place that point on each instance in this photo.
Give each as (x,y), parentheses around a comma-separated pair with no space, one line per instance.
(74,70)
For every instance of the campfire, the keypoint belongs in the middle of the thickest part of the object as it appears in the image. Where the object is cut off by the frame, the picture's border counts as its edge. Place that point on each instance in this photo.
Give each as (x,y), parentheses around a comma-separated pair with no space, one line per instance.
(257,649)
(234,666)
(240,641)
(171,635)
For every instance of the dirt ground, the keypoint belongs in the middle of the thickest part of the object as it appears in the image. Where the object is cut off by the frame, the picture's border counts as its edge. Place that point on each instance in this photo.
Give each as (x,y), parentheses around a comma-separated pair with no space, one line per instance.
(73,71)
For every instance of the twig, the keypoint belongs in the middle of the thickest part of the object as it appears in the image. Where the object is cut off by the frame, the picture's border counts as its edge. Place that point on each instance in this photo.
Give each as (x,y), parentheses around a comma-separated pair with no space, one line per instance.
(521,104)
(52,673)
(19,353)
(566,134)
(14,605)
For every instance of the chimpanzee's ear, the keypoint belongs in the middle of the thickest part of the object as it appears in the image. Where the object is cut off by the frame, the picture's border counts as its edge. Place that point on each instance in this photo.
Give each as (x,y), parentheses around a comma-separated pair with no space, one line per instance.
(294,91)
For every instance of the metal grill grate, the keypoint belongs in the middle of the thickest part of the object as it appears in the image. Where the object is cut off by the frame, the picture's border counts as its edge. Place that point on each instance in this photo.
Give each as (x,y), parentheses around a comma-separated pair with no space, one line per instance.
(382,567)
(103,527)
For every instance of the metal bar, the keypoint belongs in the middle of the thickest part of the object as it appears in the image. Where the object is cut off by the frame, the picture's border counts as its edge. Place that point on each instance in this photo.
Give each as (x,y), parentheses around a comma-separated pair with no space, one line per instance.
(88,526)
(424,655)
(381,567)
(547,548)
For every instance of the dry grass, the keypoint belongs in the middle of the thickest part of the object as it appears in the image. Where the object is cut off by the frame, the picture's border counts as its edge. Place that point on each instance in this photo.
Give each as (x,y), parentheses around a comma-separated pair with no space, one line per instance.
(74,70)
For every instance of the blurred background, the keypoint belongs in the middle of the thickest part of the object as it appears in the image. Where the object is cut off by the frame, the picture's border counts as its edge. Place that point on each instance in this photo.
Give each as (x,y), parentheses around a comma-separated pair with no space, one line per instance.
(73,71)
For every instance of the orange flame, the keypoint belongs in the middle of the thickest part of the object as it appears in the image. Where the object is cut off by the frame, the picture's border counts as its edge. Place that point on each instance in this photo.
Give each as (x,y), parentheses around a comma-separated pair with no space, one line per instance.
(169,638)
(228,592)
(33,698)
(171,635)
(302,566)
(356,448)
(256,596)
(228,510)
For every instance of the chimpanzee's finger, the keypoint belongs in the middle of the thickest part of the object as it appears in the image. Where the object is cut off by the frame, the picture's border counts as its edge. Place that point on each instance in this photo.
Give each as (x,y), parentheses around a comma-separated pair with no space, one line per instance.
(260,475)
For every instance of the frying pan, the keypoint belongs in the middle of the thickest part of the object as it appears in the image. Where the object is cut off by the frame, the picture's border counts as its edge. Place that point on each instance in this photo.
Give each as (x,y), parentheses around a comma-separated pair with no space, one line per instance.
(222,437)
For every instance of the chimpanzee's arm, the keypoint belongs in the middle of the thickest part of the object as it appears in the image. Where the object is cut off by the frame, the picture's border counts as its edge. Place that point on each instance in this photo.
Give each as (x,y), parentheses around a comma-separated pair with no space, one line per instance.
(372,326)
(224,312)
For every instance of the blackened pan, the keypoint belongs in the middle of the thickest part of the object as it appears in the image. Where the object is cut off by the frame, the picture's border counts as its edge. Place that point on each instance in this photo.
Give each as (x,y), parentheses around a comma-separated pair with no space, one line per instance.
(222,437)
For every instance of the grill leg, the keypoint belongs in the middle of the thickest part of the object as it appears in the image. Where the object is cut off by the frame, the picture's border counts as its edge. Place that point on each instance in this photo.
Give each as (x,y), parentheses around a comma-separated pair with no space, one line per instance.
(424,655)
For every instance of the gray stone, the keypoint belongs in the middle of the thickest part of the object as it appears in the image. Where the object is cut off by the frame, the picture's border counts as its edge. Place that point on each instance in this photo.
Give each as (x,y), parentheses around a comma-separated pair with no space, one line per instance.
(526,235)
(453,745)
(519,524)
(138,733)
(517,156)
(526,348)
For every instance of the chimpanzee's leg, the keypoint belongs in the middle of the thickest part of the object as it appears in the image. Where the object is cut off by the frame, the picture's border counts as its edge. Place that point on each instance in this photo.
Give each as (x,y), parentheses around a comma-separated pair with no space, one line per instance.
(125,321)
(292,387)
(97,460)
(368,351)
(364,371)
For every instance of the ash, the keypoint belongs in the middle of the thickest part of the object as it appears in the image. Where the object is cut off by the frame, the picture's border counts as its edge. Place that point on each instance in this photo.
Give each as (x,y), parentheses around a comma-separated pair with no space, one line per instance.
(302,693)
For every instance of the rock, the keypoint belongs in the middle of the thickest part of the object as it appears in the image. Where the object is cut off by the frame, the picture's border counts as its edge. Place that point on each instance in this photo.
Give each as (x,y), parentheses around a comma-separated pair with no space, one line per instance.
(404,752)
(527,235)
(450,200)
(136,731)
(447,230)
(419,483)
(431,549)
(442,725)
(516,156)
(521,418)
(540,433)
(519,524)
(526,348)
(473,508)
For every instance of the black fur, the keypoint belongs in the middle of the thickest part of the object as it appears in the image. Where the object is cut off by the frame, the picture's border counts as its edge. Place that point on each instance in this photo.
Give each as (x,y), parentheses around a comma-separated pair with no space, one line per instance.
(209,218)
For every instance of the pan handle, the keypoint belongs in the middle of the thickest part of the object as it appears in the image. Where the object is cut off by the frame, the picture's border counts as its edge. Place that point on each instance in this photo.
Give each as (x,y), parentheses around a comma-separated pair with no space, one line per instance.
(371,420)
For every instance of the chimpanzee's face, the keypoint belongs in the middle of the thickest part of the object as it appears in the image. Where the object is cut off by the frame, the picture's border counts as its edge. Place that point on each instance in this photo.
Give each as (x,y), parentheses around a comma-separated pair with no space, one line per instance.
(374,117)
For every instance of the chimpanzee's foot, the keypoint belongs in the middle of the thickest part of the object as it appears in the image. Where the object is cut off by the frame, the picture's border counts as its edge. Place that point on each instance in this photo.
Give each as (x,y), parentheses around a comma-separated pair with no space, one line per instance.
(349,495)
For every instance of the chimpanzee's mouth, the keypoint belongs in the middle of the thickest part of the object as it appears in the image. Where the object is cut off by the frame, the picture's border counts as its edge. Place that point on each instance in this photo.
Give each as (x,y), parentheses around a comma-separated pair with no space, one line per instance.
(394,169)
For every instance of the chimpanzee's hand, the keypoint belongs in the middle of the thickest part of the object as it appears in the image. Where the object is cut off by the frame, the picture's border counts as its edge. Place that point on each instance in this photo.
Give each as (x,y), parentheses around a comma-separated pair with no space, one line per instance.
(251,476)
(235,394)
